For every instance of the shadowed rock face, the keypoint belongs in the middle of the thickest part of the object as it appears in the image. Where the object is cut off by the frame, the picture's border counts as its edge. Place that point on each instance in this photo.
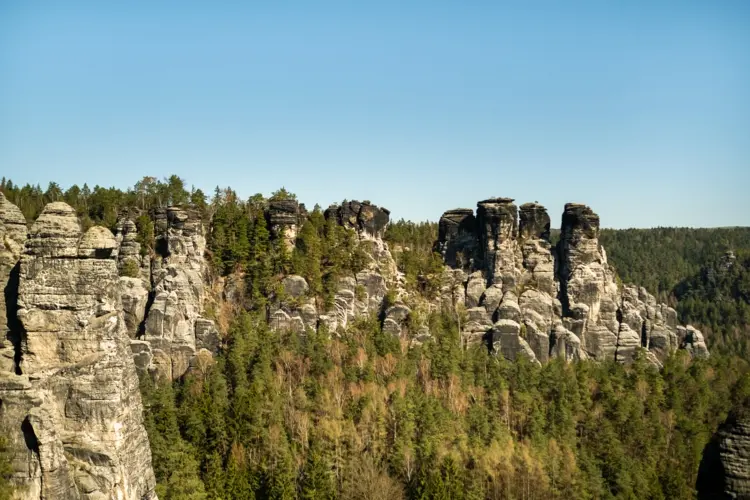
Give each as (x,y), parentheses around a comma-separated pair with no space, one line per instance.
(363,217)
(534,222)
(13,233)
(565,301)
(725,468)
(497,224)
(73,404)
(457,237)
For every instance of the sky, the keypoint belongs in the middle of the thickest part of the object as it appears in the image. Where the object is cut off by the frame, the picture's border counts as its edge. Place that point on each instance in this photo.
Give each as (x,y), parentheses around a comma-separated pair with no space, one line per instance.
(640,109)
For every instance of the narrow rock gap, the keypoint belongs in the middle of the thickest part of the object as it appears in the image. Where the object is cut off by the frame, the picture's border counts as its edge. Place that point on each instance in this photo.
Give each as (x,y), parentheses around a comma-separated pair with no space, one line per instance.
(16,331)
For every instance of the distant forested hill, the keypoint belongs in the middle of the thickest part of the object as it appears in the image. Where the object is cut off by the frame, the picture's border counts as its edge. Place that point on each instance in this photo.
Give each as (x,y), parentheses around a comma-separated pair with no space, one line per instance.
(703,273)
(660,258)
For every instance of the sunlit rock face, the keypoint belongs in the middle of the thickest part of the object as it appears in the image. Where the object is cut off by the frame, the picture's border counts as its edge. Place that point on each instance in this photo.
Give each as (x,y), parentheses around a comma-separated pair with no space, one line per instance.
(565,300)
(163,292)
(71,401)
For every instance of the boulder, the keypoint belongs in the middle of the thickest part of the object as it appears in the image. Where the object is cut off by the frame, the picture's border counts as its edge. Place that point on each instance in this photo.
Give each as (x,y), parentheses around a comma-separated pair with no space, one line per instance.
(396,318)
(295,286)
(491,299)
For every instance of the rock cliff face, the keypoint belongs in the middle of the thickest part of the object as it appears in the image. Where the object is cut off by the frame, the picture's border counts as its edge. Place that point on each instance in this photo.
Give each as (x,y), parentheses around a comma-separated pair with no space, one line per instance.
(734,450)
(70,402)
(13,234)
(284,218)
(163,304)
(725,469)
(526,298)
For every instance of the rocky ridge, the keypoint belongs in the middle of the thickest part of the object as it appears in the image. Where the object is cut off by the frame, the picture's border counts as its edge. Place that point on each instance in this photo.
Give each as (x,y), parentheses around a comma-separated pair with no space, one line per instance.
(69,396)
(525,297)
(359,294)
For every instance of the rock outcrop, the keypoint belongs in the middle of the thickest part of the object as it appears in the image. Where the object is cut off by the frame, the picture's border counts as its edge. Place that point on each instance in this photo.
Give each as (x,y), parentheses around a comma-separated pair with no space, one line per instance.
(13,233)
(364,218)
(525,297)
(359,294)
(71,404)
(725,468)
(285,218)
(163,303)
(457,238)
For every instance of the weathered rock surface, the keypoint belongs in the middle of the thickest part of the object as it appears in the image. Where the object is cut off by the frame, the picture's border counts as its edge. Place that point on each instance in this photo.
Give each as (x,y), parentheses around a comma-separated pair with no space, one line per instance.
(72,402)
(565,300)
(725,468)
(13,233)
(497,223)
(356,295)
(457,238)
(285,217)
(364,218)
(171,318)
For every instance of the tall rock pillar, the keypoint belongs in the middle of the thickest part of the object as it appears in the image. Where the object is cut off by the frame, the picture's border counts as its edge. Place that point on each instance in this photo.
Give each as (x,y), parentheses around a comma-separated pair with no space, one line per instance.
(588,291)
(73,406)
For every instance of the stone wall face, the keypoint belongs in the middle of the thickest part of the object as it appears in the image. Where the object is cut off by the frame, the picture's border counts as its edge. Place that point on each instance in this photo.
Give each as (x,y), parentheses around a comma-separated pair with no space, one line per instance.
(71,400)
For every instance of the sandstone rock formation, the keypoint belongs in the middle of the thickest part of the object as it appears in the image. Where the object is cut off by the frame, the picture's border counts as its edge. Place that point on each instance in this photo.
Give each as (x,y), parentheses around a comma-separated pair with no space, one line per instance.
(285,218)
(163,305)
(525,297)
(725,468)
(364,218)
(71,404)
(457,238)
(356,295)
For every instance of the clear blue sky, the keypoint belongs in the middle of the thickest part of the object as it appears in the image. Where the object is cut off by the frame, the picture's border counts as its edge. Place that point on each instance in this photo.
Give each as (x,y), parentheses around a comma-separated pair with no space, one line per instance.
(640,109)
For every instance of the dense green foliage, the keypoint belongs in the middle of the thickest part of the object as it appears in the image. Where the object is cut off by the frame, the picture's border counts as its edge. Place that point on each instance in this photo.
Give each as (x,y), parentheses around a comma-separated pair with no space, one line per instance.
(718,299)
(102,205)
(240,241)
(362,416)
(6,491)
(660,258)
(412,247)
(689,269)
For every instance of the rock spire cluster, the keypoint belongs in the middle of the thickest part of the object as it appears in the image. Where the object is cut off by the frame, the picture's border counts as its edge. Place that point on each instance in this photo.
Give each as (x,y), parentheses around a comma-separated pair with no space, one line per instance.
(526,297)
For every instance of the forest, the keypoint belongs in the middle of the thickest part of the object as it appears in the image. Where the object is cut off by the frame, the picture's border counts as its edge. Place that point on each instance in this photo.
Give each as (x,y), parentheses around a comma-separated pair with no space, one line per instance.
(364,415)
